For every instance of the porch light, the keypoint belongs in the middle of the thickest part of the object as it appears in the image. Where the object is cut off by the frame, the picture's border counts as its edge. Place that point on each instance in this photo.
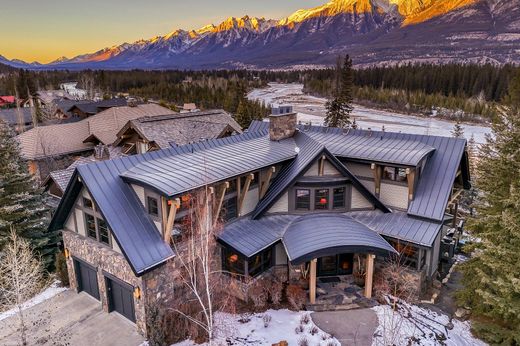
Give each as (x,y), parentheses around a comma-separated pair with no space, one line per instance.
(233,258)
(137,293)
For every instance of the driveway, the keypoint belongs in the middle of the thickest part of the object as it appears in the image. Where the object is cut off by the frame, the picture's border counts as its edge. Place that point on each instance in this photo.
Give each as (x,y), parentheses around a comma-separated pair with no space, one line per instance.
(71,319)
(351,327)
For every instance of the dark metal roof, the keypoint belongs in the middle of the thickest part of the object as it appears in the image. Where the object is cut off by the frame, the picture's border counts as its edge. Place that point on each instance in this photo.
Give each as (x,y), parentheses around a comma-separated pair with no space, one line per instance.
(309,151)
(318,235)
(10,116)
(174,175)
(98,106)
(252,236)
(376,148)
(436,181)
(400,226)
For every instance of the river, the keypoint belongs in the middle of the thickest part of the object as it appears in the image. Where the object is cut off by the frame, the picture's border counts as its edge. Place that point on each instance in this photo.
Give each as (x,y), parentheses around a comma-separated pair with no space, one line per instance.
(311,108)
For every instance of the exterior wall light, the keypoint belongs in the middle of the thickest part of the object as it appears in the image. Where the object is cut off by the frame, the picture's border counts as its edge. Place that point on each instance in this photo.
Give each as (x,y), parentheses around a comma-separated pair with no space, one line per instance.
(66,253)
(137,293)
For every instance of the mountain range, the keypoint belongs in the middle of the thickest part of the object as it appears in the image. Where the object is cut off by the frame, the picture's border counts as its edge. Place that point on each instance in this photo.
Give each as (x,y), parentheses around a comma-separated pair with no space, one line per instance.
(372,31)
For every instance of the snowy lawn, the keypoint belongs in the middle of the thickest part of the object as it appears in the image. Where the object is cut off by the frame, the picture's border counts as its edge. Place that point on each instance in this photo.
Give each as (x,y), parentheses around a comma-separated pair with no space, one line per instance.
(47,293)
(413,325)
(293,327)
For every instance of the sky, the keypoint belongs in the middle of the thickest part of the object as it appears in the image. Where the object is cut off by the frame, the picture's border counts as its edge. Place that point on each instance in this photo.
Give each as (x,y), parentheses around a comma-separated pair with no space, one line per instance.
(44,30)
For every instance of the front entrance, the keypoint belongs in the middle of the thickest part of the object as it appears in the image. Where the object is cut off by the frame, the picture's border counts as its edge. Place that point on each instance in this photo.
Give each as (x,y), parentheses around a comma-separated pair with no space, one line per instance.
(120,298)
(86,276)
(341,264)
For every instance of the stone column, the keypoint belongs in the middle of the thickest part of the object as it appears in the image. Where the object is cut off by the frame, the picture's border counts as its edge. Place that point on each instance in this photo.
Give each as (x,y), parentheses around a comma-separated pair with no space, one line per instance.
(369,275)
(312,282)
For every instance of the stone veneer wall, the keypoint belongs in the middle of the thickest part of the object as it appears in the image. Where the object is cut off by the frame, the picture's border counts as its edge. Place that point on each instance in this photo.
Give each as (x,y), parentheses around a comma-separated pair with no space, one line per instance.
(105,260)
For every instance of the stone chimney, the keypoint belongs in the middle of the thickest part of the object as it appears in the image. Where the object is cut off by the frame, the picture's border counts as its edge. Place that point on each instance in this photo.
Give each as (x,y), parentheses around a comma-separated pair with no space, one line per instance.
(101,152)
(282,123)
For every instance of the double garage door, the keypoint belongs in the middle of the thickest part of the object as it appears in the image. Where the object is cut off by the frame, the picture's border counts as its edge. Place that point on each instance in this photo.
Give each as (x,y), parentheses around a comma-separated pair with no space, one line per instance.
(119,294)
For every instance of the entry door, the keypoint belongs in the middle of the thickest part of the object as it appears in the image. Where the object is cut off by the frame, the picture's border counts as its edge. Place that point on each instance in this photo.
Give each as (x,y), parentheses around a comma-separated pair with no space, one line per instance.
(120,298)
(327,266)
(86,276)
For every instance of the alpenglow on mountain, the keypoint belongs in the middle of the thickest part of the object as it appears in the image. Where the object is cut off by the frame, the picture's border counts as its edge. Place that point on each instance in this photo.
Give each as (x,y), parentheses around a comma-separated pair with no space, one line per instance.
(372,31)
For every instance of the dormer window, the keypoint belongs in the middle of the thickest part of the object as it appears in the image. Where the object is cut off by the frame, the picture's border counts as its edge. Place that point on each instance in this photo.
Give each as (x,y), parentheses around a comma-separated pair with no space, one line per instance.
(394,174)
(321,199)
(303,199)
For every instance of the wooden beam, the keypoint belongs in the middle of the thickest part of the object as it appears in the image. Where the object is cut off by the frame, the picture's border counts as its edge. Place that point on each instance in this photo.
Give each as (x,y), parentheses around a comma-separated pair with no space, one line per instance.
(265,185)
(174,205)
(369,278)
(455,196)
(220,201)
(410,175)
(321,167)
(243,192)
(378,173)
(312,282)
(164,214)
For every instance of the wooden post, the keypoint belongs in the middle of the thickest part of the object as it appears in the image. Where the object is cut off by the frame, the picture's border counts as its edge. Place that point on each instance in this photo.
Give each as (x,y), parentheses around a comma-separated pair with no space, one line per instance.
(244,191)
(220,200)
(312,282)
(265,185)
(321,167)
(164,214)
(369,278)
(378,173)
(171,220)
(410,174)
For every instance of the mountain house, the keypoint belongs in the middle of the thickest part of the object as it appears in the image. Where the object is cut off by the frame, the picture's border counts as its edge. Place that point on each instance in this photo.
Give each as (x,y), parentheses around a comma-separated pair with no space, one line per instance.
(292,198)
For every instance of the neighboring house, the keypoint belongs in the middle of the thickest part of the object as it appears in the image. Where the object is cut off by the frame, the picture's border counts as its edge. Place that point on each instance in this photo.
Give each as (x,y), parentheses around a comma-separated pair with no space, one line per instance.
(160,132)
(6,101)
(289,196)
(53,147)
(85,110)
(20,119)
(63,109)
(72,89)
(189,107)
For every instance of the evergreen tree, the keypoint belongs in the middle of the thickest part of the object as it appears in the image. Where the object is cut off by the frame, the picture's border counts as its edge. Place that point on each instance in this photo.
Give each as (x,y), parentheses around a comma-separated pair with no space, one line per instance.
(21,202)
(491,276)
(514,90)
(458,130)
(340,107)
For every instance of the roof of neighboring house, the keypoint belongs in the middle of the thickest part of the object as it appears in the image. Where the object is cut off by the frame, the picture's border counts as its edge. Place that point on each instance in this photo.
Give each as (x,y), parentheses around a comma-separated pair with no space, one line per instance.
(180,129)
(436,182)
(48,96)
(11,115)
(65,105)
(98,106)
(299,236)
(62,139)
(7,99)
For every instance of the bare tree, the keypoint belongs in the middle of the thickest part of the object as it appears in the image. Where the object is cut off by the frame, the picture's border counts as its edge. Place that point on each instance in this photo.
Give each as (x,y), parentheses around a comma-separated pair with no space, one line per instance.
(87,82)
(21,277)
(198,260)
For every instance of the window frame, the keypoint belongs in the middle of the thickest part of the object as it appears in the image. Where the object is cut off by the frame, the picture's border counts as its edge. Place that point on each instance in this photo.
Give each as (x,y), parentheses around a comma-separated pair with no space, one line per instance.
(344,198)
(318,196)
(308,208)
(347,201)
(150,198)
(94,213)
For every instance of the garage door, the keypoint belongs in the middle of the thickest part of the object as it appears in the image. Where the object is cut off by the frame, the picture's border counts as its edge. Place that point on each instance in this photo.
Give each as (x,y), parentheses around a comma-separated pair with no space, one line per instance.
(120,298)
(87,278)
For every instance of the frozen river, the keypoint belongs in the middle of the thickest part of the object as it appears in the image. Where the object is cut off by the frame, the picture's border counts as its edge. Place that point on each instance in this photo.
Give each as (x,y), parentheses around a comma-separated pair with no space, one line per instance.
(310,108)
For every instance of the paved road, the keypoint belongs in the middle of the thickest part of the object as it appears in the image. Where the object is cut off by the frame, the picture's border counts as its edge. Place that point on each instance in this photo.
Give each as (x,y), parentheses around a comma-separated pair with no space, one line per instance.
(352,327)
(71,319)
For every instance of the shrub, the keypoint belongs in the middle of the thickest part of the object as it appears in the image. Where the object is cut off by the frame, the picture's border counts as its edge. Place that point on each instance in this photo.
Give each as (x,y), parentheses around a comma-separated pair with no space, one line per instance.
(296,297)
(258,295)
(275,288)
(305,319)
(303,341)
(61,269)
(300,329)
(313,330)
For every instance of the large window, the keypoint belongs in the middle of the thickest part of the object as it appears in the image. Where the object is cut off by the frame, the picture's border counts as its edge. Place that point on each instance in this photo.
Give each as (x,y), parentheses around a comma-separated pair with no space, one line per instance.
(321,199)
(235,263)
(153,206)
(90,222)
(103,232)
(409,254)
(303,199)
(260,262)
(97,229)
(229,209)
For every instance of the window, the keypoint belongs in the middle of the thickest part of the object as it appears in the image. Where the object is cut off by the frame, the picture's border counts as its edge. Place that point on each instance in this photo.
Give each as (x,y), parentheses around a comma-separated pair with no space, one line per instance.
(153,206)
(87,203)
(91,226)
(260,262)
(233,262)
(229,209)
(395,174)
(321,199)
(303,199)
(104,234)
(409,254)
(338,198)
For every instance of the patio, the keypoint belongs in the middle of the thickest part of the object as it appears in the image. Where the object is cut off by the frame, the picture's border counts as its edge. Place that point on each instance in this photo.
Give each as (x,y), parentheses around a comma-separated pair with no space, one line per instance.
(339,293)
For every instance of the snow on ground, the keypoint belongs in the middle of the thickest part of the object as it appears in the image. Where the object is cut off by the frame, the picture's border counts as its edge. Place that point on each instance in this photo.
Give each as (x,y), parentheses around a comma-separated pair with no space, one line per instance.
(413,325)
(282,326)
(312,109)
(47,293)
